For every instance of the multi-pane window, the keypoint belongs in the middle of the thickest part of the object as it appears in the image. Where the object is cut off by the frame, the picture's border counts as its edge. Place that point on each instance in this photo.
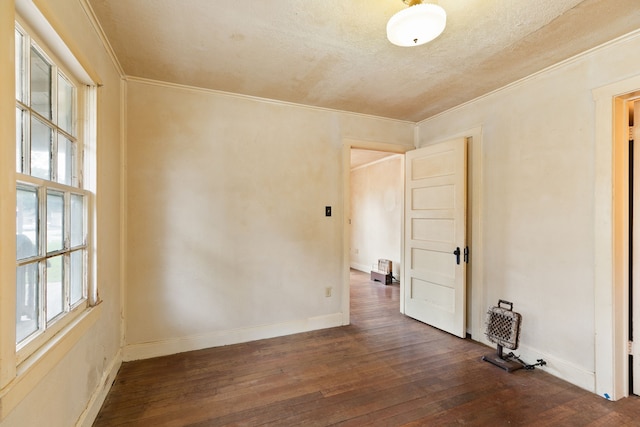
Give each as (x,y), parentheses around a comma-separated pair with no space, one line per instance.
(51,205)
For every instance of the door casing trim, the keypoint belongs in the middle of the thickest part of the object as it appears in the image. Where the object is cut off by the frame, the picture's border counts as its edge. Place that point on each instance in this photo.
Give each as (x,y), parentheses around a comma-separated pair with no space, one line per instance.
(611,243)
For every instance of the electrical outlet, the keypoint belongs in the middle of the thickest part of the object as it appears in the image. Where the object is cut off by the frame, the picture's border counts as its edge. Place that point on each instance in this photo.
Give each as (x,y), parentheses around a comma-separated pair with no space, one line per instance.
(327,291)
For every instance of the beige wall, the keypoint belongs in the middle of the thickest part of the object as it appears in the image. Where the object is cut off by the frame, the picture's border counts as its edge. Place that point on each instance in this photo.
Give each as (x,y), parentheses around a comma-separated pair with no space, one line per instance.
(227,235)
(227,239)
(376,214)
(70,390)
(537,199)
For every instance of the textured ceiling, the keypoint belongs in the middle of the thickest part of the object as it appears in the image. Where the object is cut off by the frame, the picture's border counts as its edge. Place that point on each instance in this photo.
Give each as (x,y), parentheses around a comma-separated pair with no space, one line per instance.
(334,53)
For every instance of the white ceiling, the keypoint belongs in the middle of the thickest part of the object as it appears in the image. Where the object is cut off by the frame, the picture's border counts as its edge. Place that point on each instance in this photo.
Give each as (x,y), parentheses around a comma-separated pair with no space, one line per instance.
(334,53)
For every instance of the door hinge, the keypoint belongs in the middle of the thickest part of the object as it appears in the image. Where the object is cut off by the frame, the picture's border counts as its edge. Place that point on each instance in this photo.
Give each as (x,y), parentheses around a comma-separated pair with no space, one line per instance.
(630,347)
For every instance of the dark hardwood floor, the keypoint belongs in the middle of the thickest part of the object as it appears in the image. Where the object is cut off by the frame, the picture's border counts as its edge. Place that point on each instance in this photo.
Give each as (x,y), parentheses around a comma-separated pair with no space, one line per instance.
(384,369)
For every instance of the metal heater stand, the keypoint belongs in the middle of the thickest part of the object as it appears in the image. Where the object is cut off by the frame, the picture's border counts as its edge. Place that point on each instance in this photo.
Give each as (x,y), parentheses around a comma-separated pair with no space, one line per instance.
(503,328)
(499,360)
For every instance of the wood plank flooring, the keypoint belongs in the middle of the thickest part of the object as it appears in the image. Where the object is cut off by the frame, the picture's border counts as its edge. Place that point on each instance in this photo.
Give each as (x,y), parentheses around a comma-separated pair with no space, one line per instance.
(383,370)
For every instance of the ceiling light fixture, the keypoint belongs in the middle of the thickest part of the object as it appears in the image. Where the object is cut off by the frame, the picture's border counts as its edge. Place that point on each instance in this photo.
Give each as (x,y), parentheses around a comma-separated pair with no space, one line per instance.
(418,24)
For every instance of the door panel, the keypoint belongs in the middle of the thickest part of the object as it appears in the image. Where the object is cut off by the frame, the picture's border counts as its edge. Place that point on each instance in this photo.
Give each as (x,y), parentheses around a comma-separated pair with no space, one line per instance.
(435,220)
(433,229)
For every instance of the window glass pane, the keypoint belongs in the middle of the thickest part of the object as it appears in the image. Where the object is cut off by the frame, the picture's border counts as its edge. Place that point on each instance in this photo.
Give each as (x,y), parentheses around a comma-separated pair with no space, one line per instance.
(40,149)
(77,220)
(27,300)
(40,84)
(55,295)
(19,66)
(77,274)
(19,139)
(26,223)
(65,160)
(65,104)
(55,221)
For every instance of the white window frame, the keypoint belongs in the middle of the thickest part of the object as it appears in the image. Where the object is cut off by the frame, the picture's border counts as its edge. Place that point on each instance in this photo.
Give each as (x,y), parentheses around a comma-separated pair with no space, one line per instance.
(47,329)
(20,373)
(22,369)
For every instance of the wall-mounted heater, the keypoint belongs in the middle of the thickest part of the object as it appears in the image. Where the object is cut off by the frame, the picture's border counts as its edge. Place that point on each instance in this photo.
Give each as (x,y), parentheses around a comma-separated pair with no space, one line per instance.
(503,329)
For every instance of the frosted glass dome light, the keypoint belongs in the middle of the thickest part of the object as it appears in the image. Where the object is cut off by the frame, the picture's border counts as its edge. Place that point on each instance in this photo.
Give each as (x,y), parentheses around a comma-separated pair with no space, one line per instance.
(418,24)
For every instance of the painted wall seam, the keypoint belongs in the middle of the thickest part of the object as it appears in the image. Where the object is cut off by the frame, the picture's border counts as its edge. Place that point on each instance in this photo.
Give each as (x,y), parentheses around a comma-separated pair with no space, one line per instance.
(142,80)
(93,20)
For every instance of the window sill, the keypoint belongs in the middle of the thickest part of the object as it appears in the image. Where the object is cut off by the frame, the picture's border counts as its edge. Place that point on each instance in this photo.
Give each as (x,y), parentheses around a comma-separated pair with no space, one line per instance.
(30,372)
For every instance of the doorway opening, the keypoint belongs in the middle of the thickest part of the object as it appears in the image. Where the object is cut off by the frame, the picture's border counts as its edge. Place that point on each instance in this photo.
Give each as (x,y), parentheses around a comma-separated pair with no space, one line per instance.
(612,240)
(632,108)
(476,304)
(376,202)
(384,149)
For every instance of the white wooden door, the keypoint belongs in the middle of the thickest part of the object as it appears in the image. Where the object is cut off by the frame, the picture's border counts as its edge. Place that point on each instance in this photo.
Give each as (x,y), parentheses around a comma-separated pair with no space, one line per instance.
(435,222)
(635,237)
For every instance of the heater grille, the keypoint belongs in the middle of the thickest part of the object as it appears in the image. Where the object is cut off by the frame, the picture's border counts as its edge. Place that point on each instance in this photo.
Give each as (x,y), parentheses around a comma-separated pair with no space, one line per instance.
(503,329)
(503,325)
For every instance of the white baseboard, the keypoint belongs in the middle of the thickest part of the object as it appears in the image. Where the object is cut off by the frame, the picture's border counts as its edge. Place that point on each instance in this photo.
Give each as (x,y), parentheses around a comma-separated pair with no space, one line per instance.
(90,413)
(360,267)
(557,367)
(228,337)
